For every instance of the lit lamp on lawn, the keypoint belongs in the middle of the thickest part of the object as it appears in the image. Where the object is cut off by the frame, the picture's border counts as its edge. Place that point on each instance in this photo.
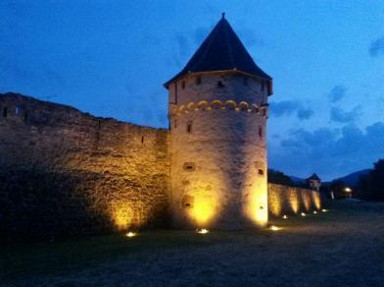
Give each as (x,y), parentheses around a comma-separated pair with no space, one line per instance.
(348,192)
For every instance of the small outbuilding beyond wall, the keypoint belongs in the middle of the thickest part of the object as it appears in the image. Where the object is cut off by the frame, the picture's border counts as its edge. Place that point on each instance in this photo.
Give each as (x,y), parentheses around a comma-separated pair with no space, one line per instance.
(283,200)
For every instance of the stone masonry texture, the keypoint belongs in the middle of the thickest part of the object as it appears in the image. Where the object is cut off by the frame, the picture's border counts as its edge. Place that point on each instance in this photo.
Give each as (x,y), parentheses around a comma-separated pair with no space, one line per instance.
(64,172)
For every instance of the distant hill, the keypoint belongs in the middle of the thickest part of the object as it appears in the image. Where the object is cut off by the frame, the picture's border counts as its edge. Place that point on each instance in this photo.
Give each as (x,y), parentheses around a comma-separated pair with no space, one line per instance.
(353,178)
(350,179)
(297,179)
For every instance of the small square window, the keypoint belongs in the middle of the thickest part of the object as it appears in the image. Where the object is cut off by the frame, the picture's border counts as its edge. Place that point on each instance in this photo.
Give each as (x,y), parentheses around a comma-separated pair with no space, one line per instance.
(261,171)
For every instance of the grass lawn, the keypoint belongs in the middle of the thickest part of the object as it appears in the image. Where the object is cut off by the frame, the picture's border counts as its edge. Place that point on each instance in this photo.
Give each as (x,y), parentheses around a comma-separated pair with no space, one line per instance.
(343,247)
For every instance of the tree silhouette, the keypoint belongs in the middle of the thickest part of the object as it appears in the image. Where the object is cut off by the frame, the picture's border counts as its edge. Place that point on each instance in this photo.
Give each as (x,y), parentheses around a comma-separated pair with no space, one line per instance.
(371,185)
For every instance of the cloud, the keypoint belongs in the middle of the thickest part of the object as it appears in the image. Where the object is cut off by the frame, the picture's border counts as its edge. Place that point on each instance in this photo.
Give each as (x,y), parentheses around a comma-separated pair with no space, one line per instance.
(304,113)
(282,108)
(377,47)
(287,108)
(337,93)
(330,152)
(340,116)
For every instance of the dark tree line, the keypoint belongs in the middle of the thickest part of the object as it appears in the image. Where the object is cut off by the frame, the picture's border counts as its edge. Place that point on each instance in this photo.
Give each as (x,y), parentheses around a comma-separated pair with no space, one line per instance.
(371,185)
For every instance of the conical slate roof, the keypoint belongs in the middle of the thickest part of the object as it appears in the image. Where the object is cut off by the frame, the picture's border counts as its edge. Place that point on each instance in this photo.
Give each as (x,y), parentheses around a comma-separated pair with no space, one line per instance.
(222,50)
(313,177)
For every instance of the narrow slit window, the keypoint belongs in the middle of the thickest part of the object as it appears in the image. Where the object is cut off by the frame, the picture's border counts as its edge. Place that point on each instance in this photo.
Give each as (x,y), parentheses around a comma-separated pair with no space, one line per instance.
(245,81)
(142,139)
(220,84)
(260,132)
(183,85)
(198,80)
(5,112)
(189,166)
(189,127)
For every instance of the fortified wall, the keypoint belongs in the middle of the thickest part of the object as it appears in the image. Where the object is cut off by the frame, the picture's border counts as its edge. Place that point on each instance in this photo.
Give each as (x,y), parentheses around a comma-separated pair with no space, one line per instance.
(64,172)
(285,200)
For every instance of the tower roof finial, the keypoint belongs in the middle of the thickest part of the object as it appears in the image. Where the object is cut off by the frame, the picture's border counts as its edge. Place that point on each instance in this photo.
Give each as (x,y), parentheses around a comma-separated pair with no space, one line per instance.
(223,15)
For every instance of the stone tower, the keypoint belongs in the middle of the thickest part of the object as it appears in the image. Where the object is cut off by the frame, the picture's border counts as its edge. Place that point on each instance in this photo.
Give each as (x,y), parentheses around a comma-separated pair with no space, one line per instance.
(218,113)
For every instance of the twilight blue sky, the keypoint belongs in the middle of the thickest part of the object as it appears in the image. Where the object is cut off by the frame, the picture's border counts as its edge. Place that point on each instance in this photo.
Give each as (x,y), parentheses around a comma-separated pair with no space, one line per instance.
(110,58)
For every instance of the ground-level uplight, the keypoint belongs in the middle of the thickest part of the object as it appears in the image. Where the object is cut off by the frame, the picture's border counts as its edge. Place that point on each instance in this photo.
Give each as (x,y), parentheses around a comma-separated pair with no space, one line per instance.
(303,214)
(202,231)
(130,234)
(275,228)
(285,216)
(314,212)
(324,210)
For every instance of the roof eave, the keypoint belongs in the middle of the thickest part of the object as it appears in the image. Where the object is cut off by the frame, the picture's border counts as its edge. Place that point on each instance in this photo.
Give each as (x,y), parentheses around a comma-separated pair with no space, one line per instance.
(234,71)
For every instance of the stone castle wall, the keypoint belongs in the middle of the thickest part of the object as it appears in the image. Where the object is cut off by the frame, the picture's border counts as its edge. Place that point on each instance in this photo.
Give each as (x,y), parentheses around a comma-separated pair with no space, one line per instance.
(63,171)
(285,200)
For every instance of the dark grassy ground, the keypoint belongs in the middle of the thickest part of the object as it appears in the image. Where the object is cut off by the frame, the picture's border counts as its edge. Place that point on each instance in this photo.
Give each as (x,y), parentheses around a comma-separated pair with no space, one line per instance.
(343,247)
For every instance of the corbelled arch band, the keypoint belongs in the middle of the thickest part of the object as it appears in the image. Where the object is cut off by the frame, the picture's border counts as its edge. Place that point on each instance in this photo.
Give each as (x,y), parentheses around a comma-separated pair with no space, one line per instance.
(204,105)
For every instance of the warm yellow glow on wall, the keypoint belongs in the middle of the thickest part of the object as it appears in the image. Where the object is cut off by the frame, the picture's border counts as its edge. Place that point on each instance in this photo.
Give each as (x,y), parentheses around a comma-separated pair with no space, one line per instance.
(203,210)
(293,200)
(257,206)
(121,214)
(274,203)
(306,199)
(316,200)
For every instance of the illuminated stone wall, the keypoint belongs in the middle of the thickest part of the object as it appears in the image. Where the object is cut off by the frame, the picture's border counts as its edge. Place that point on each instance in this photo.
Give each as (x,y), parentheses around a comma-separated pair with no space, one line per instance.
(292,200)
(64,172)
(218,151)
